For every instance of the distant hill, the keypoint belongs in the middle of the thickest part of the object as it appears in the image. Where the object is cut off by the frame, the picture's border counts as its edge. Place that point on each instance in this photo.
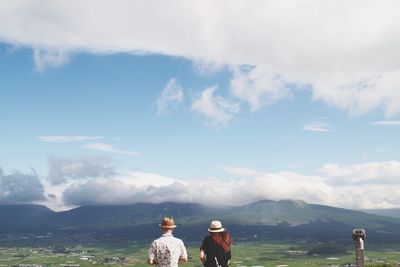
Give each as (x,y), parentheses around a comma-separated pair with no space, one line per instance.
(384,212)
(258,220)
(291,212)
(16,218)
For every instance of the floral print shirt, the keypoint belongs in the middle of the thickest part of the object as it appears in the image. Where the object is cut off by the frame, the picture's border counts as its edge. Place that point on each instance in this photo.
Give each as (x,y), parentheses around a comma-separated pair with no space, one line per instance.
(167,250)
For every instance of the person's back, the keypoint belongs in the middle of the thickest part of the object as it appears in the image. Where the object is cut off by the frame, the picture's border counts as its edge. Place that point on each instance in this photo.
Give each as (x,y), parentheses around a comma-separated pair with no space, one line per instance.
(167,251)
(216,247)
(215,254)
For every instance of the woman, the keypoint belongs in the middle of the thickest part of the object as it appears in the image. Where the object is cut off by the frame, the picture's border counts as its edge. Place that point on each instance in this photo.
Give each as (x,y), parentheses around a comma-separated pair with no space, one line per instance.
(216,247)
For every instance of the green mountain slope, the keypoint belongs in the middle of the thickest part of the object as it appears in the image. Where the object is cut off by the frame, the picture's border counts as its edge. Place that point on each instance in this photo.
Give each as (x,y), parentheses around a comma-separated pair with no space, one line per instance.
(278,219)
(291,212)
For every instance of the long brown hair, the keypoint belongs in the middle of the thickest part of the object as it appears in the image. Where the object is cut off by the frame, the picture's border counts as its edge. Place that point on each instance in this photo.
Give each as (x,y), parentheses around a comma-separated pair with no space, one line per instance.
(223,240)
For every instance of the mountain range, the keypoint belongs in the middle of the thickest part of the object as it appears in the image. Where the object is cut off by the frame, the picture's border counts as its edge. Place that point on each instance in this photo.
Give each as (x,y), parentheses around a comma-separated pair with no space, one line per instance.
(384,212)
(265,219)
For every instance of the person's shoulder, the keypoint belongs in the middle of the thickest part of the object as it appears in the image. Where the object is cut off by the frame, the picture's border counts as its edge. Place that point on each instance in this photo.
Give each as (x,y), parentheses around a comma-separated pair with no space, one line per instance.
(207,238)
(177,239)
(157,240)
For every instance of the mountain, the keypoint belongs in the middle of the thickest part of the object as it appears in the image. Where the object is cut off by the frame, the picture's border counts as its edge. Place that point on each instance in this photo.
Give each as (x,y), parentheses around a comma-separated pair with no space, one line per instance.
(18,217)
(384,212)
(258,220)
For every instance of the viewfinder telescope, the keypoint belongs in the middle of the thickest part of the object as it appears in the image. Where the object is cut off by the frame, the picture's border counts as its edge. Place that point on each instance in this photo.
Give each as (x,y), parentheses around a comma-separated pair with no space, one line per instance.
(359,233)
(359,237)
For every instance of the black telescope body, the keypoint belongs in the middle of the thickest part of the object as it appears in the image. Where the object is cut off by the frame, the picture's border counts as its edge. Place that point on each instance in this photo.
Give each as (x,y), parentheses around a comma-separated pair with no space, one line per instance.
(359,233)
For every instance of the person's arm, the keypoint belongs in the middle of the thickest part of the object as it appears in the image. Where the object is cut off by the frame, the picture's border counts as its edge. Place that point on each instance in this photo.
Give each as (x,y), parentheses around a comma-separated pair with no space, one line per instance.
(182,260)
(229,257)
(152,254)
(151,261)
(203,249)
(183,257)
(202,256)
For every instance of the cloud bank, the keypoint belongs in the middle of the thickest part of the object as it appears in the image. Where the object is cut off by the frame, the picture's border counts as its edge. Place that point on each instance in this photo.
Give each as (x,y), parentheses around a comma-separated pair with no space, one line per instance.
(62,170)
(344,53)
(349,190)
(91,181)
(19,188)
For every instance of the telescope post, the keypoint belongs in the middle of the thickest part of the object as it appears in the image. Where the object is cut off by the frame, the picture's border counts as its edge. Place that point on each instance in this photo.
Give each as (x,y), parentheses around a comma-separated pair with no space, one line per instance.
(359,237)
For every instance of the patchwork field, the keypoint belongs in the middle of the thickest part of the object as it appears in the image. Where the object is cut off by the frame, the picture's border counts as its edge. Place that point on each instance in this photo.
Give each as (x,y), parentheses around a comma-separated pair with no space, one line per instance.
(244,255)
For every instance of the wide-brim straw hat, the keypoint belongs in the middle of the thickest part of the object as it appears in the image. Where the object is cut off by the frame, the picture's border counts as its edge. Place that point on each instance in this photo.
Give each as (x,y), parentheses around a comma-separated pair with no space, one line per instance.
(167,223)
(216,227)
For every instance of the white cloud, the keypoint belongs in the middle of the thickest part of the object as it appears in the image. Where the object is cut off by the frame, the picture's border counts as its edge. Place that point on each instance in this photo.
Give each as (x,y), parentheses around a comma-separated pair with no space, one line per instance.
(67,138)
(372,196)
(266,186)
(240,171)
(19,188)
(317,126)
(386,172)
(128,187)
(344,51)
(108,148)
(49,58)
(55,192)
(62,170)
(143,179)
(361,93)
(364,185)
(88,175)
(206,68)
(387,123)
(171,96)
(219,110)
(367,185)
(258,87)
(289,185)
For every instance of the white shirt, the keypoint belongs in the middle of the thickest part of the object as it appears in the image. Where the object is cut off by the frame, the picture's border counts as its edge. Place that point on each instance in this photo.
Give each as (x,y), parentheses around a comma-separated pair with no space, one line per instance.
(167,250)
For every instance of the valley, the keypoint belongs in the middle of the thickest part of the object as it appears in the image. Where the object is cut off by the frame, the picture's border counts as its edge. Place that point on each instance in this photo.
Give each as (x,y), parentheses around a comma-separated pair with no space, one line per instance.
(249,254)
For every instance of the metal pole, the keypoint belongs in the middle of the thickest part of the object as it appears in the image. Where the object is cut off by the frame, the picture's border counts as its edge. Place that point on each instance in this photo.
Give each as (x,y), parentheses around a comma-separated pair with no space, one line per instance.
(360,252)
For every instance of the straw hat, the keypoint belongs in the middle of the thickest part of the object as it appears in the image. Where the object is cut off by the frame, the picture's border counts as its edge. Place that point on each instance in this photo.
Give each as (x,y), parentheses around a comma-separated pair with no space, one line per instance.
(216,227)
(168,223)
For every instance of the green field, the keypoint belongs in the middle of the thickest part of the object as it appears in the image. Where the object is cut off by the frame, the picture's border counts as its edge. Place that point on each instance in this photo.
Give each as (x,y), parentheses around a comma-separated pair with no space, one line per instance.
(244,254)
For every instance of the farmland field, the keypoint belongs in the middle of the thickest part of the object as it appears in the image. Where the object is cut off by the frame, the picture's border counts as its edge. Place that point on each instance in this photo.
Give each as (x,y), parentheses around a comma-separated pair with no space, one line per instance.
(247,254)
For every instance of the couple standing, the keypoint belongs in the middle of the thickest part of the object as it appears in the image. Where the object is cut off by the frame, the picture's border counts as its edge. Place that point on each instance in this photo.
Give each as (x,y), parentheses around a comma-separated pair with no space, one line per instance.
(169,251)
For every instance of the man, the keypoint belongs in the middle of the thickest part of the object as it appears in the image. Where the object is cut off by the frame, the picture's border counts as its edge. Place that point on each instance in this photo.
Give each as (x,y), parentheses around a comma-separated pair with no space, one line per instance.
(167,251)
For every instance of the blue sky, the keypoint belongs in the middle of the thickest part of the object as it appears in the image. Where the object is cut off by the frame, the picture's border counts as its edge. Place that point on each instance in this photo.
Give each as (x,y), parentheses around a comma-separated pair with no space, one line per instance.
(148,114)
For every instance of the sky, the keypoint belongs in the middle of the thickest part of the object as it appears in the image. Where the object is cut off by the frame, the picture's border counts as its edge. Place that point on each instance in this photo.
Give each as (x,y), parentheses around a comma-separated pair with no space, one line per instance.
(217,103)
